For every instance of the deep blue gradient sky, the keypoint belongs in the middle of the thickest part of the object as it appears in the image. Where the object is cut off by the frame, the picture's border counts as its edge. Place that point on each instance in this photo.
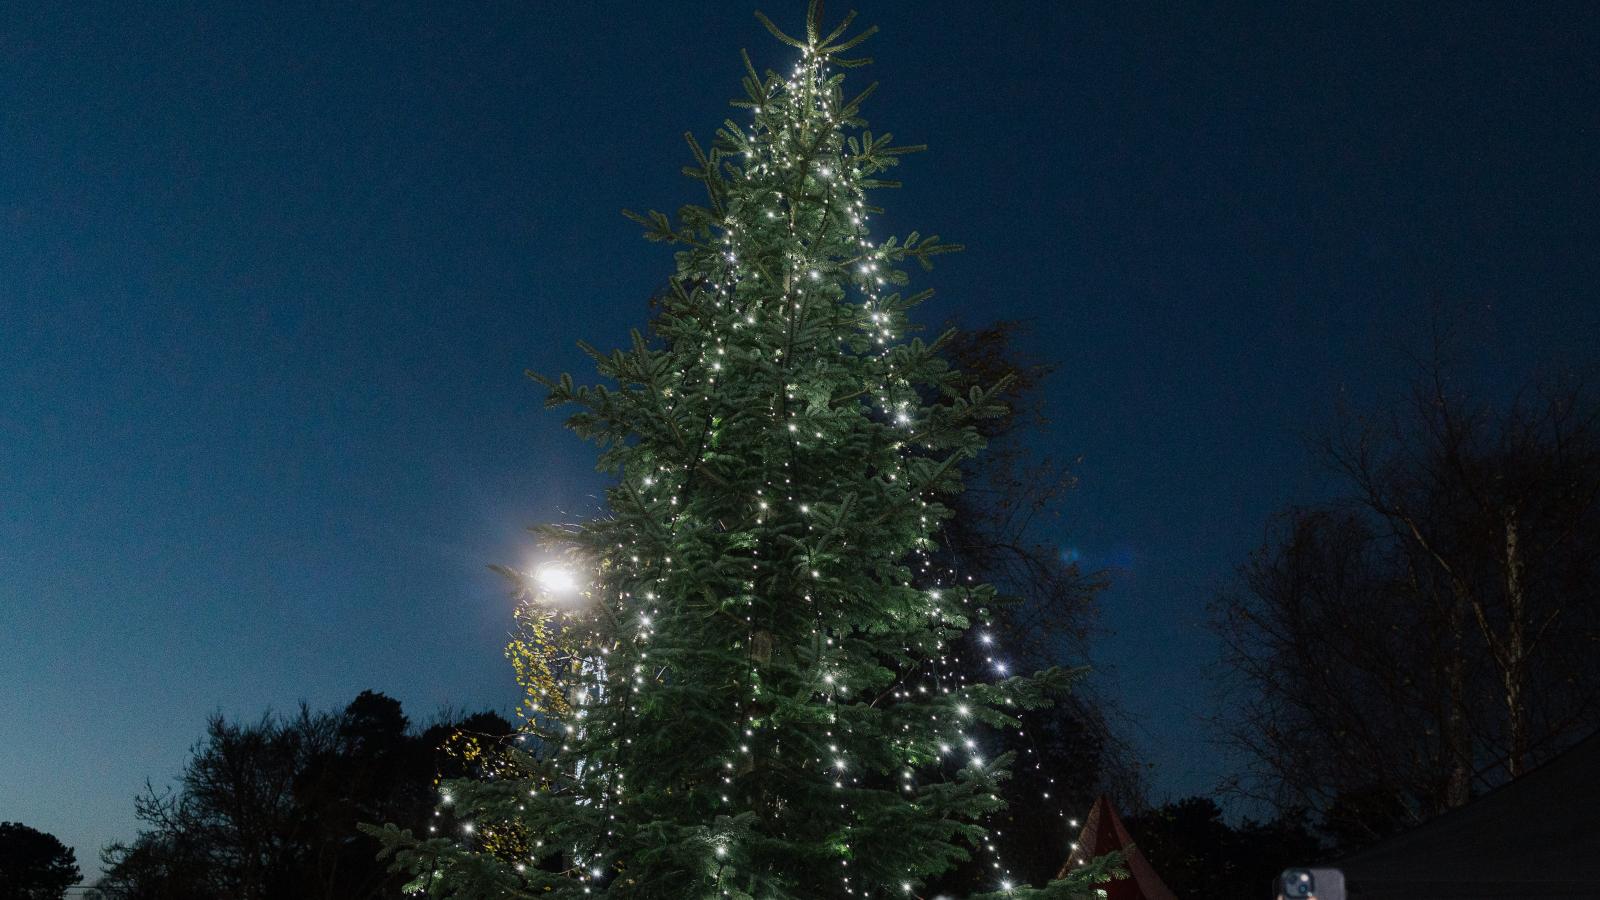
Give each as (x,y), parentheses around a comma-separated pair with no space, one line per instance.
(270,274)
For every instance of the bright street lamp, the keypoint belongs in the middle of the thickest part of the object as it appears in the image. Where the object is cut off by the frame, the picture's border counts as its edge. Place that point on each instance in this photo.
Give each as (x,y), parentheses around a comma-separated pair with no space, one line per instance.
(556,579)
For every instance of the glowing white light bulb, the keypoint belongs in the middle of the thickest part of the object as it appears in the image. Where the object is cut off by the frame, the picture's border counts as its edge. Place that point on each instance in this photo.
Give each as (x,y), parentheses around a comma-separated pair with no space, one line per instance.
(554,579)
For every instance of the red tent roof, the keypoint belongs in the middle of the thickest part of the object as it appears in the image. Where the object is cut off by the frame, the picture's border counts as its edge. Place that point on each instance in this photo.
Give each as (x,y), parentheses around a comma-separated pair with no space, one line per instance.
(1104,832)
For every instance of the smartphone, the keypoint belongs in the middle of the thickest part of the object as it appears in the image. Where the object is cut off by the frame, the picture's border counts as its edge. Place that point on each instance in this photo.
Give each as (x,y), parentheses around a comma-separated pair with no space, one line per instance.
(1311,884)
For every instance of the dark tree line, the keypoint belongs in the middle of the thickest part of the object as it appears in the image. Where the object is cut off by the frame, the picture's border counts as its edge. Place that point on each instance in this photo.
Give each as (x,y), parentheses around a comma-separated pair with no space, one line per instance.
(268,810)
(1434,630)
(1201,857)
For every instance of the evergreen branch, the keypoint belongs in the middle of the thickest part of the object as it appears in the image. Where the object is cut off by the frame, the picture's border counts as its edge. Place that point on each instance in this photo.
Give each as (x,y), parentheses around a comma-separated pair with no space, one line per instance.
(813,19)
(854,106)
(694,147)
(750,69)
(777,32)
(902,150)
(659,228)
(829,51)
(848,18)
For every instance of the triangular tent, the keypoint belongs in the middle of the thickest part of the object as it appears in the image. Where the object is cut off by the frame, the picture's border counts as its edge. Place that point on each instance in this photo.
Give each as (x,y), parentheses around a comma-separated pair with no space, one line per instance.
(1103,832)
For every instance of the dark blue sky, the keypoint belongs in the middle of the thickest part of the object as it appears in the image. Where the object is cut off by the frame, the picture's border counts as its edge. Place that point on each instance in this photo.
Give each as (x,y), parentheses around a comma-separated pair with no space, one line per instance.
(270,274)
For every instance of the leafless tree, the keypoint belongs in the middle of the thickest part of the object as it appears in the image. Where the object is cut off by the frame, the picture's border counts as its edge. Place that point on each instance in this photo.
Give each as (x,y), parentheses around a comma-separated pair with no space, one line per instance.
(1435,631)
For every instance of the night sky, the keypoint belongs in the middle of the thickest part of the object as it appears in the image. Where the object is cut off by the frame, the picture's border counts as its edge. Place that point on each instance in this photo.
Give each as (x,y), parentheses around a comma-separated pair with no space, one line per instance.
(270,275)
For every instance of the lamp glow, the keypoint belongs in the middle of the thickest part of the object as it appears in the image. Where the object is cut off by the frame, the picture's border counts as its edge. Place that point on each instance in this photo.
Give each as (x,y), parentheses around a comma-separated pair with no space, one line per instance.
(555,579)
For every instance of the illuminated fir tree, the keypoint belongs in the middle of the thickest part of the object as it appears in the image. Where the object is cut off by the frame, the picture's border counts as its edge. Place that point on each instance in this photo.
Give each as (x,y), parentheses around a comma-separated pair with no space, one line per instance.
(756,702)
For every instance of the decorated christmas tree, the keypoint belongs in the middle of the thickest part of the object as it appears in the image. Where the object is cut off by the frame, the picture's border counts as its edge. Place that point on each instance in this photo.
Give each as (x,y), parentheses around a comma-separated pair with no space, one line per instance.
(740,680)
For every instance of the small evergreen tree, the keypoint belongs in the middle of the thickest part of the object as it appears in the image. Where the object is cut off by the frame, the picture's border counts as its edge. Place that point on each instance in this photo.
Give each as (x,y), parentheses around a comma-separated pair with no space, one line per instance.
(758,701)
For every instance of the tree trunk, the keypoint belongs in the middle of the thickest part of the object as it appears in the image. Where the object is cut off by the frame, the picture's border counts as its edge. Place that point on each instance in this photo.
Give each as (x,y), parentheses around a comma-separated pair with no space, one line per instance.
(1515,660)
(1457,741)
